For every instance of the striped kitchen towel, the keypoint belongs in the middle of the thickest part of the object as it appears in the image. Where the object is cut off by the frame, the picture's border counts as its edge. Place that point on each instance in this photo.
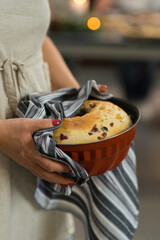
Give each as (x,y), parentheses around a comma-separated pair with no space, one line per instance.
(107,204)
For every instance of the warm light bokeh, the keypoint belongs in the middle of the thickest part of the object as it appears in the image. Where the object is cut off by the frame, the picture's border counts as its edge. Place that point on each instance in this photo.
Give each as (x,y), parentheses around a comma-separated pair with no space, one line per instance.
(93,23)
(79,7)
(80,2)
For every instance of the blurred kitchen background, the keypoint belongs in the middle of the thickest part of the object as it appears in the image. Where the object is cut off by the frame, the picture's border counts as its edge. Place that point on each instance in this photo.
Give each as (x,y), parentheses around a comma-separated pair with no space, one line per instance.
(117,43)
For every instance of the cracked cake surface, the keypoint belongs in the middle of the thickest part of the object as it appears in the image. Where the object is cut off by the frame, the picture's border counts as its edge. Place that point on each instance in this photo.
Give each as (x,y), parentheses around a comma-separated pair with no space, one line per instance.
(96,120)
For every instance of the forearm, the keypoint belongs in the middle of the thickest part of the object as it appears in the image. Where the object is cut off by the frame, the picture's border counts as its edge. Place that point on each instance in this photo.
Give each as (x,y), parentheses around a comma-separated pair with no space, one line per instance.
(1,134)
(60,74)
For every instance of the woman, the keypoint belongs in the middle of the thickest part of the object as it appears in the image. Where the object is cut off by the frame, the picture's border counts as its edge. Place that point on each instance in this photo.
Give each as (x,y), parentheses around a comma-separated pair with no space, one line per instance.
(23,28)
(23,49)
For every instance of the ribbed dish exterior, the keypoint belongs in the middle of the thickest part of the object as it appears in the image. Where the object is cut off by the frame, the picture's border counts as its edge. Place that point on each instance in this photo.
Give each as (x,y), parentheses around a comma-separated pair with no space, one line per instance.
(102,156)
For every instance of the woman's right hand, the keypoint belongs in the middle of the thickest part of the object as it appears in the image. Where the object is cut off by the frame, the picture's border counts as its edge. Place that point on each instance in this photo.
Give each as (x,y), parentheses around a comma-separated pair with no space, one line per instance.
(16,141)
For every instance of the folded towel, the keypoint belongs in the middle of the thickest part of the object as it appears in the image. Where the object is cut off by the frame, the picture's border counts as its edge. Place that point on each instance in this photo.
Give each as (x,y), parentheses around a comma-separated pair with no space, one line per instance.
(107,204)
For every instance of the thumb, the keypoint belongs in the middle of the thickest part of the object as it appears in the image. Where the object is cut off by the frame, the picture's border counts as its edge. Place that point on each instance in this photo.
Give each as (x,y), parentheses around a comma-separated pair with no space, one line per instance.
(44,123)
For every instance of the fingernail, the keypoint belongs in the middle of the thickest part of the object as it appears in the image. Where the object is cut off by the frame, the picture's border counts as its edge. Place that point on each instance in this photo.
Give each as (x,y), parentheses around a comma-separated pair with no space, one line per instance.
(70,171)
(56,122)
(71,184)
(62,185)
(103,86)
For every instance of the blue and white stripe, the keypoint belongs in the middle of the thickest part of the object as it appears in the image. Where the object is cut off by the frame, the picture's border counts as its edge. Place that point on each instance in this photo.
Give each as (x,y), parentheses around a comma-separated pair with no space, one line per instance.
(107,204)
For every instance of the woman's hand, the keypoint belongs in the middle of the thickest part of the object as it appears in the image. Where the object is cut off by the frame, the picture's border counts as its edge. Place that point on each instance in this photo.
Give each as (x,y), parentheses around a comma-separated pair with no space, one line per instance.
(103,88)
(16,141)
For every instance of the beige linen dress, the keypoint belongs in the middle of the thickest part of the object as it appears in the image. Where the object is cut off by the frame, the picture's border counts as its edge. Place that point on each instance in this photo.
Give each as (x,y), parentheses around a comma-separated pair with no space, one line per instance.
(23,26)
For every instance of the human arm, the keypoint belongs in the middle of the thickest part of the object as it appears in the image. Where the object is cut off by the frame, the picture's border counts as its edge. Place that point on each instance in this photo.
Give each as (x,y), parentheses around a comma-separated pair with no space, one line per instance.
(16,142)
(16,139)
(60,74)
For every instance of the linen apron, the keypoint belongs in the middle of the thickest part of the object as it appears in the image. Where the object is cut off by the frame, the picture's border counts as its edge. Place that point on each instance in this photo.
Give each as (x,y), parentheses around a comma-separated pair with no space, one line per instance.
(23,26)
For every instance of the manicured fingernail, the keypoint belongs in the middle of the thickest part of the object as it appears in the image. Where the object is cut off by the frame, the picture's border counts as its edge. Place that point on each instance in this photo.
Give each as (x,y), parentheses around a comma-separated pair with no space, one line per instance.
(71,184)
(103,86)
(62,185)
(70,171)
(56,122)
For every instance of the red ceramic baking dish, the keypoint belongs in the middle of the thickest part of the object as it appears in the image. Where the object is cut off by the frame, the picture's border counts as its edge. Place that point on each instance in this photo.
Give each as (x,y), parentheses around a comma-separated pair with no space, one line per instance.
(104,155)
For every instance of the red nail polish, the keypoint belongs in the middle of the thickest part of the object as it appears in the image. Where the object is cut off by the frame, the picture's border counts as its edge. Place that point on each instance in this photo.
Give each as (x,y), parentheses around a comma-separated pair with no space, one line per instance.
(56,122)
(62,185)
(71,184)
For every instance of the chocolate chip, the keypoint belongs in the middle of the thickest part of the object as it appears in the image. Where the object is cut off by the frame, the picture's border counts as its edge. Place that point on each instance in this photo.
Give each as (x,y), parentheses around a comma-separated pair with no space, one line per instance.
(94,129)
(90,133)
(63,137)
(111,124)
(104,134)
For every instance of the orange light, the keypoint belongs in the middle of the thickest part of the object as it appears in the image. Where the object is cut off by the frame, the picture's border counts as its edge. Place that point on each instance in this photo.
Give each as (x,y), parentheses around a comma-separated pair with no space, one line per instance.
(80,2)
(93,23)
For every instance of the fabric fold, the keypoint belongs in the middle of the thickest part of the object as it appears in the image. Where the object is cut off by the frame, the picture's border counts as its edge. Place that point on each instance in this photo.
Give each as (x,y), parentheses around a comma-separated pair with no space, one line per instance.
(56,105)
(106,204)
